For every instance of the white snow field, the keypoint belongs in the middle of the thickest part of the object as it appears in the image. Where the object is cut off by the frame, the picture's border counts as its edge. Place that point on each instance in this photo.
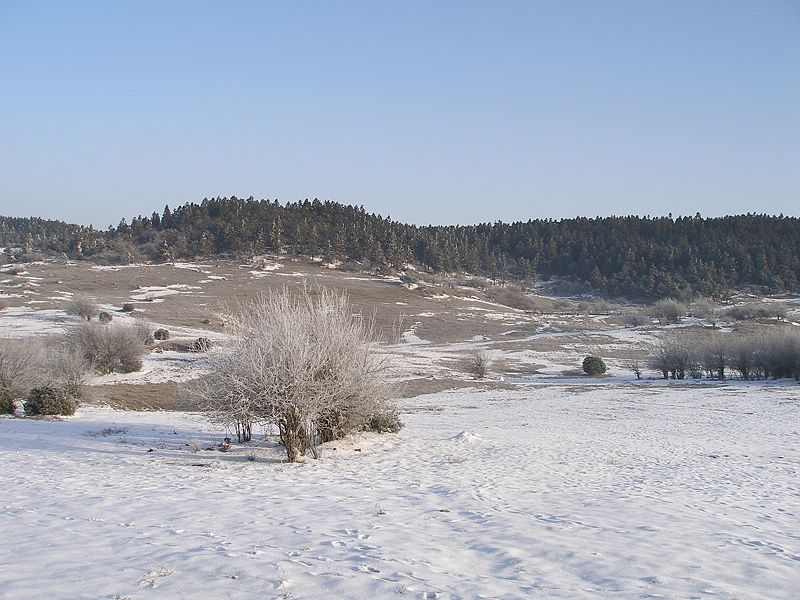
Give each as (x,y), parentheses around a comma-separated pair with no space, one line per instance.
(639,490)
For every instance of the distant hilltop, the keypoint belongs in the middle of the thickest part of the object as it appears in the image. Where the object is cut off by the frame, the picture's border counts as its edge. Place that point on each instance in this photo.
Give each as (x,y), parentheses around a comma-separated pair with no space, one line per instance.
(638,258)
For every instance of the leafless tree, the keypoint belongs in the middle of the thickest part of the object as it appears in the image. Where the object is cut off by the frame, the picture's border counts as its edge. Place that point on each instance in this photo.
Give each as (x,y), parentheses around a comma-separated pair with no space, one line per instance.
(478,363)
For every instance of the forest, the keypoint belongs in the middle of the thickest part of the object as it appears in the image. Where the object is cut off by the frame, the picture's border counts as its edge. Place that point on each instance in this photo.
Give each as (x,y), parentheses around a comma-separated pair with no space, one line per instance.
(631,257)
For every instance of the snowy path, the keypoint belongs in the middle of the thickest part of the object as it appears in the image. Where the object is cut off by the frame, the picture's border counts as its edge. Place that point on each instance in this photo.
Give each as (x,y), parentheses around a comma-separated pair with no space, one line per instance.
(623,491)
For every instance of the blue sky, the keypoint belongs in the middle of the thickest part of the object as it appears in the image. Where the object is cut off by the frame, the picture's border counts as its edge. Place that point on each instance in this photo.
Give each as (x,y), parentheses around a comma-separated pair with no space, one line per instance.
(432,112)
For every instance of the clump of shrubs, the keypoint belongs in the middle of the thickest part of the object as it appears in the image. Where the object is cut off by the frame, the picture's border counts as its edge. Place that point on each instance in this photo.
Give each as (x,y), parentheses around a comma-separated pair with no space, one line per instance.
(774,353)
(48,400)
(104,317)
(128,307)
(756,310)
(201,344)
(161,334)
(594,365)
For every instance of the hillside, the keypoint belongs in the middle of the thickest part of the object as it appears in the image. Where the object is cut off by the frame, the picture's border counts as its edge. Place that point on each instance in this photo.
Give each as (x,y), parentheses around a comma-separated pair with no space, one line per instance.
(633,257)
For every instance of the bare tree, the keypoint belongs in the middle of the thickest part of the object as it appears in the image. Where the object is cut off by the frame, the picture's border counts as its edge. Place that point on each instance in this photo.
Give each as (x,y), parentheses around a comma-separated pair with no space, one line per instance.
(478,363)
(302,362)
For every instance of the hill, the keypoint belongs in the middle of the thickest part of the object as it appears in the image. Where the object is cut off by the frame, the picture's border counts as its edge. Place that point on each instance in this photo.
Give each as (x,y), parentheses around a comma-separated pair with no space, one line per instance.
(633,257)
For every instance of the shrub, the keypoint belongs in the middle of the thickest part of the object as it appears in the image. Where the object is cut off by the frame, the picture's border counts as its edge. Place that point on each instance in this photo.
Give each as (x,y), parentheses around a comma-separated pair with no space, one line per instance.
(706,309)
(669,311)
(385,421)
(478,365)
(161,334)
(144,332)
(301,362)
(109,347)
(23,365)
(201,344)
(49,400)
(594,365)
(635,318)
(69,370)
(128,307)
(104,317)
(673,356)
(82,307)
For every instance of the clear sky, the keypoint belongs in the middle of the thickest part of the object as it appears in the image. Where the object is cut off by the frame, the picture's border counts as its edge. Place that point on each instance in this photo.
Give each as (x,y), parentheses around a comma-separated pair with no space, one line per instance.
(432,112)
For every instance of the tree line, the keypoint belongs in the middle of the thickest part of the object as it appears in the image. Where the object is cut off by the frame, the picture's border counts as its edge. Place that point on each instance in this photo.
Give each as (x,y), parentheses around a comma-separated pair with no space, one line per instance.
(638,258)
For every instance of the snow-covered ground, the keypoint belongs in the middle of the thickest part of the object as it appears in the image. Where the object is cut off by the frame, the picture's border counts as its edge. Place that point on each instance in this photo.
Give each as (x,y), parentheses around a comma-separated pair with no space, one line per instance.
(641,490)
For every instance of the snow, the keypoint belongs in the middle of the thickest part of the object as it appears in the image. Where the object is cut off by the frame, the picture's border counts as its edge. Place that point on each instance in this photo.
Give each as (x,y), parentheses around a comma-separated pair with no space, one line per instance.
(545,491)
(153,292)
(21,321)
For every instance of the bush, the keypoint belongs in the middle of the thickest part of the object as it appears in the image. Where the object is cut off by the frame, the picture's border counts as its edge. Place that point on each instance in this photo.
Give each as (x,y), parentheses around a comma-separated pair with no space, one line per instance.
(478,365)
(706,309)
(594,365)
(301,362)
(635,318)
(128,307)
(385,421)
(104,317)
(49,400)
(669,311)
(161,334)
(23,365)
(82,307)
(201,344)
(109,347)
(144,332)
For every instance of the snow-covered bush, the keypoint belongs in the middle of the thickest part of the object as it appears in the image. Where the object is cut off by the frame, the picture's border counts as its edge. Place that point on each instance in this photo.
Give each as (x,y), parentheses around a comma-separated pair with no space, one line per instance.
(48,400)
(478,364)
(82,307)
(302,362)
(161,334)
(109,347)
(594,365)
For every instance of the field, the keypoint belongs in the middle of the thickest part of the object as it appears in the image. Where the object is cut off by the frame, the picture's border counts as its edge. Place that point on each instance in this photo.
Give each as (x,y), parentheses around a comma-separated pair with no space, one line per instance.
(537,482)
